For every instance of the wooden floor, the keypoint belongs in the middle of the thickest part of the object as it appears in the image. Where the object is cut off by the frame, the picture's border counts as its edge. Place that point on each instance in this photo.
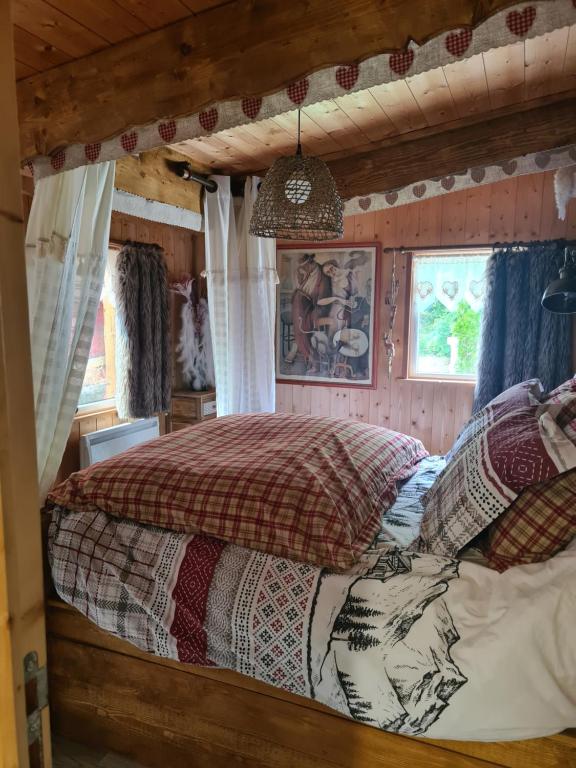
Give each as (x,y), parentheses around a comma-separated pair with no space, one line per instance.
(69,754)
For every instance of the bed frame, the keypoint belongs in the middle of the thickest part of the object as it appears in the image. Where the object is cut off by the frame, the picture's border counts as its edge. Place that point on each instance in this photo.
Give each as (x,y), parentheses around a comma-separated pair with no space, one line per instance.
(106,693)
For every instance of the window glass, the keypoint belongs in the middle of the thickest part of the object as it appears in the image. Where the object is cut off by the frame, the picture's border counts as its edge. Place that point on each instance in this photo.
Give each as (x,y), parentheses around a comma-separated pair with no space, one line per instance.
(100,377)
(446,313)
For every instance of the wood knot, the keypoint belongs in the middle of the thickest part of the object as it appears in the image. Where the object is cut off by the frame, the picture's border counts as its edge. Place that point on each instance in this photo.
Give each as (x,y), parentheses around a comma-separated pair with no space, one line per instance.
(185,49)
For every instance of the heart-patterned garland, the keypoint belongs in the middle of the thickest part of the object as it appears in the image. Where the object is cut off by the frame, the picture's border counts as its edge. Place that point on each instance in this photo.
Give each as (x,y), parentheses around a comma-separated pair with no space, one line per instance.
(167,131)
(58,159)
(478,174)
(419,190)
(391,197)
(298,91)
(208,119)
(401,61)
(448,182)
(129,141)
(92,151)
(509,167)
(364,203)
(251,107)
(347,76)
(520,22)
(457,43)
(542,159)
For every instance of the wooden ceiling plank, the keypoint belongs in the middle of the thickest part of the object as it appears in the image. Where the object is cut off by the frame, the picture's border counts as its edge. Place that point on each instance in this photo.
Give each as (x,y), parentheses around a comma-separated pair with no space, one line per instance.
(504,69)
(314,139)
(569,71)
(198,6)
(328,115)
(106,19)
(468,86)
(56,28)
(433,96)
(37,53)
(398,102)
(23,70)
(402,160)
(544,59)
(367,115)
(156,14)
(223,53)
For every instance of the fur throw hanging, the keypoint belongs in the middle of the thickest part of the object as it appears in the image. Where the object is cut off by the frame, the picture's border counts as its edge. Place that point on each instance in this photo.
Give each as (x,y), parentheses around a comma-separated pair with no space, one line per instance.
(194,347)
(564,188)
(143,385)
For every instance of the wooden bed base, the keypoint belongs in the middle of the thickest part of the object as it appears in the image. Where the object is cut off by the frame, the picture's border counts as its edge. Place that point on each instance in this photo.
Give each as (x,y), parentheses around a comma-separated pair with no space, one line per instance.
(106,693)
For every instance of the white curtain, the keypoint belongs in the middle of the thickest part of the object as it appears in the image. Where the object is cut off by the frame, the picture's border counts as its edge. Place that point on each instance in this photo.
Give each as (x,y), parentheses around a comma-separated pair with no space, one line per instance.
(66,250)
(449,280)
(241,277)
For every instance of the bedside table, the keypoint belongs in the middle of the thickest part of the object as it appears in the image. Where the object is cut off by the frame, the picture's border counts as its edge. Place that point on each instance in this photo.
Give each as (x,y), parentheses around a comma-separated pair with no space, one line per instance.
(188,407)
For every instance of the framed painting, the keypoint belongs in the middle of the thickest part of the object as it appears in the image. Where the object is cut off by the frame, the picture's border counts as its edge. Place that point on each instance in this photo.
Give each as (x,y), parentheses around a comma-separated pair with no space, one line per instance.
(327,314)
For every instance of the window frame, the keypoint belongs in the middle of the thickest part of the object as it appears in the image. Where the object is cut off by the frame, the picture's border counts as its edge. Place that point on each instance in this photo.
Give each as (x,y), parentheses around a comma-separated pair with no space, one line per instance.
(410,357)
(109,403)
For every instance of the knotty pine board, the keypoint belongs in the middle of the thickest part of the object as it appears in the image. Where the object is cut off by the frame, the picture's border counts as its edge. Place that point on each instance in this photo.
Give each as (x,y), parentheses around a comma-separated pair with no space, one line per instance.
(521,208)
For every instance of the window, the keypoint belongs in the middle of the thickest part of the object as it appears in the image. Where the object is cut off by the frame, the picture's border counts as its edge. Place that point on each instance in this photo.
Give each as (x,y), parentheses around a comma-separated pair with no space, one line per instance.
(446,312)
(99,384)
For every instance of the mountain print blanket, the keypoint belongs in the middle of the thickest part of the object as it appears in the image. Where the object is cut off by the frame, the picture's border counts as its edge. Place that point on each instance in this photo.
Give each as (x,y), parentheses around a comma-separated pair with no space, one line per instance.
(412,643)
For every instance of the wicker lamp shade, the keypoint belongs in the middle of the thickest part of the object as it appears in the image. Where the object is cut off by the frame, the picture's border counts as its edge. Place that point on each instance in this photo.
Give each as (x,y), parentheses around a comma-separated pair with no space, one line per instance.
(298,200)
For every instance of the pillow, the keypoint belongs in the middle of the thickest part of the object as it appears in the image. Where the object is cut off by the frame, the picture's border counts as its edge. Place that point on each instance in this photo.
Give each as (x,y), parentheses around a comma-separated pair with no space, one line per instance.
(512,448)
(540,523)
(526,393)
(307,488)
(564,397)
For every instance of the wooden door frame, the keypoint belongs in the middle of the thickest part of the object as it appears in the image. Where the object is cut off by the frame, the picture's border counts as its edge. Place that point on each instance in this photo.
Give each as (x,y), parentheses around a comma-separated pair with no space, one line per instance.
(22,621)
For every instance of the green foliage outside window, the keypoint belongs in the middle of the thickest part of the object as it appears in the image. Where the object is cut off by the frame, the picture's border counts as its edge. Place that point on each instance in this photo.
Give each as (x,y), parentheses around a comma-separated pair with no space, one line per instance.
(437,323)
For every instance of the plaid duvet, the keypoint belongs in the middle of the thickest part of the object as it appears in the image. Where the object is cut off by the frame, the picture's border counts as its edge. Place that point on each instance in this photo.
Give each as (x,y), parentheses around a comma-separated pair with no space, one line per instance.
(312,489)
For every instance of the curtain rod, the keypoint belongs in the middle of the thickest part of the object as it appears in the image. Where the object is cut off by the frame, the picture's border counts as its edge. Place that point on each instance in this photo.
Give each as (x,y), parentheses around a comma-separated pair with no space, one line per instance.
(480,246)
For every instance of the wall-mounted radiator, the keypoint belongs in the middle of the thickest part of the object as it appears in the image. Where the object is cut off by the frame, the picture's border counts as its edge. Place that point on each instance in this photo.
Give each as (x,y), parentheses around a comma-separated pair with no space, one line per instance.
(97,446)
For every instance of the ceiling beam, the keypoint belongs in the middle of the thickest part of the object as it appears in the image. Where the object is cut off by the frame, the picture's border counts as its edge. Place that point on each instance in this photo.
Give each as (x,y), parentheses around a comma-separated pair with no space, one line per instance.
(244,48)
(414,157)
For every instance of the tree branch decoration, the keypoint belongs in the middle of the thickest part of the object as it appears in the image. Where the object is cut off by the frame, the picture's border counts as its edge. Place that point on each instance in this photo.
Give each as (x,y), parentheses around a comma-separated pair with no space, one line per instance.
(194,348)
(391,303)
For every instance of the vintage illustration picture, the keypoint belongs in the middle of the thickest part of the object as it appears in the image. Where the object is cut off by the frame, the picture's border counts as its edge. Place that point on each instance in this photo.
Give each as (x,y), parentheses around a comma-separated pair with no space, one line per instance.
(326,314)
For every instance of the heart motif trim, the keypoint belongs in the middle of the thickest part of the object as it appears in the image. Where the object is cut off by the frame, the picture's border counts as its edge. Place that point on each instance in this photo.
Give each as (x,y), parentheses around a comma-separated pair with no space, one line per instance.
(251,107)
(448,182)
(129,141)
(542,159)
(401,61)
(92,151)
(208,119)
(520,22)
(167,131)
(419,190)
(365,203)
(478,174)
(424,289)
(347,76)
(298,91)
(391,197)
(457,43)
(450,288)
(509,167)
(477,288)
(58,159)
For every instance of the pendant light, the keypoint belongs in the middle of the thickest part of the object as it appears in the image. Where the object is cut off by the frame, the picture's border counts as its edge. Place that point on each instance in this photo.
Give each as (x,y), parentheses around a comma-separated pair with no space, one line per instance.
(560,296)
(298,200)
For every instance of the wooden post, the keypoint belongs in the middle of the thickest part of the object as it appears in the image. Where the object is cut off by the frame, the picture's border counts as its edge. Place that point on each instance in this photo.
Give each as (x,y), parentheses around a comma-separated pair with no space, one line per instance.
(22,627)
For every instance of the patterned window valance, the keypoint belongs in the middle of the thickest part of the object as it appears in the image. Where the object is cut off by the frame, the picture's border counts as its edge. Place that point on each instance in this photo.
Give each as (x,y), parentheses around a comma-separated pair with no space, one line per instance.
(450,280)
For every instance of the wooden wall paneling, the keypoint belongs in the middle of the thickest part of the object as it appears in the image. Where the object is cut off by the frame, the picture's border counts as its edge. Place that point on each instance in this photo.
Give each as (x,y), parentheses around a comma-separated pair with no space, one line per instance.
(453,219)
(478,210)
(430,223)
(502,210)
(529,207)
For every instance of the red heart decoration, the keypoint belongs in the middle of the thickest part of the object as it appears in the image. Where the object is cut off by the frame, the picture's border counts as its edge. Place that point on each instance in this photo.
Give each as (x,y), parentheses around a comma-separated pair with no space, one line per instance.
(167,131)
(419,190)
(448,182)
(457,43)
(478,174)
(542,159)
(297,91)
(30,165)
(509,167)
(401,61)
(347,76)
(251,107)
(92,151)
(129,141)
(391,197)
(365,203)
(208,119)
(519,23)
(57,160)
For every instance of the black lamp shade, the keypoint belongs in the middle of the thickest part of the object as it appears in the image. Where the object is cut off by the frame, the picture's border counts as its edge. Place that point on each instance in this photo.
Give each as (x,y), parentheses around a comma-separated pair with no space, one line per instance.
(560,296)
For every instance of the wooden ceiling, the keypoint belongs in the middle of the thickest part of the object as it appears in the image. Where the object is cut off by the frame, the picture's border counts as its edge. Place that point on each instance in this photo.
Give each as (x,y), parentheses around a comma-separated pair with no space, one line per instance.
(505,76)
(48,33)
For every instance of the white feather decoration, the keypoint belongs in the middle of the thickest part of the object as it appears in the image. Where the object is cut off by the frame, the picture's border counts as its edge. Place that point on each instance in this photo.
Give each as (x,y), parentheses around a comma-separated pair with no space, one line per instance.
(194,348)
(564,188)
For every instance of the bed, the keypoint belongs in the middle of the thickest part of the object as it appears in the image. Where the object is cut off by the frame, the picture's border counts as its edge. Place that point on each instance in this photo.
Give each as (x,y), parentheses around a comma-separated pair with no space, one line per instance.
(412,644)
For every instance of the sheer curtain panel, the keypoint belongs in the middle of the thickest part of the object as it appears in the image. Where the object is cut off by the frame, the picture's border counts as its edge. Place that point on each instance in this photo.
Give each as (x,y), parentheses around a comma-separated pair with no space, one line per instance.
(241,278)
(66,250)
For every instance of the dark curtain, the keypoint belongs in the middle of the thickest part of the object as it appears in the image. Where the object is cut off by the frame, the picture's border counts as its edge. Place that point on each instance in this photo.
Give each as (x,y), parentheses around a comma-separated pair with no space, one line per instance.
(519,338)
(142,310)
